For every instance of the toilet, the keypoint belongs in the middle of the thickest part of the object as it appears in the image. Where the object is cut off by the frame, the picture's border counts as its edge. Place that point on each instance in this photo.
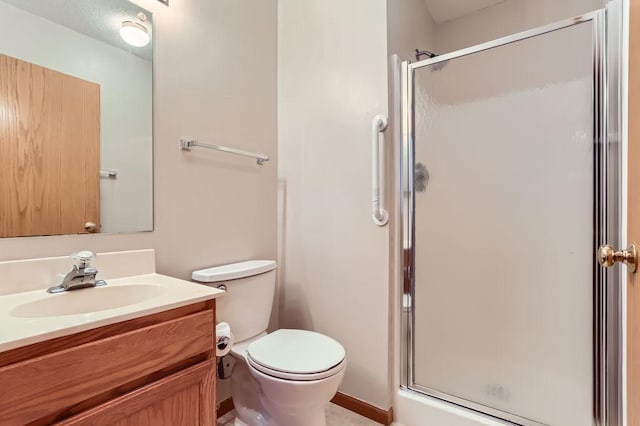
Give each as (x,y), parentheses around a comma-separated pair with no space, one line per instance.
(283,378)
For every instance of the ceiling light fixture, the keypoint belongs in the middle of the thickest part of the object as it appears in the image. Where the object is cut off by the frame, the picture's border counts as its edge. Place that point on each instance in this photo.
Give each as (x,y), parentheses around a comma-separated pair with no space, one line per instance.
(134,33)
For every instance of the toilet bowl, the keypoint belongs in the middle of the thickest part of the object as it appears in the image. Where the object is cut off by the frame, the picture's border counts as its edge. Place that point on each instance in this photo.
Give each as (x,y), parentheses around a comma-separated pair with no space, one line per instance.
(284,378)
(272,385)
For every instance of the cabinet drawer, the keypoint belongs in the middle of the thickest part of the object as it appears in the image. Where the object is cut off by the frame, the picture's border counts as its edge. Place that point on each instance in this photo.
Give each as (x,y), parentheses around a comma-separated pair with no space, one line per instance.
(48,384)
(175,400)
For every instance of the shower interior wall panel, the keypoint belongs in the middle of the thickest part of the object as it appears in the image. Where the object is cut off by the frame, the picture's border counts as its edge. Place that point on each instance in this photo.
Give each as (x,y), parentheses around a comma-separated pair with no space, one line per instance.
(514,142)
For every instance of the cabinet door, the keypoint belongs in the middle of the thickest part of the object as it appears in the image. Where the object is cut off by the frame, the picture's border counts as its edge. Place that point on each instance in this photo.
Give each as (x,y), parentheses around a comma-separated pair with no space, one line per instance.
(186,398)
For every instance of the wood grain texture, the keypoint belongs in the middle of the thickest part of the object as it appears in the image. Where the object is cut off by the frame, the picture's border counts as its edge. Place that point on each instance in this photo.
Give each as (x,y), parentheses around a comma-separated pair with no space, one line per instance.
(207,396)
(65,342)
(633,215)
(117,392)
(174,400)
(181,408)
(53,382)
(49,151)
(207,389)
(365,409)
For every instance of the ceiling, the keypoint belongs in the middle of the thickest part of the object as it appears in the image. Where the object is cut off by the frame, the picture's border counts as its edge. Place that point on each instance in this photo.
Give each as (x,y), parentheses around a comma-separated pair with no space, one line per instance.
(100,20)
(446,10)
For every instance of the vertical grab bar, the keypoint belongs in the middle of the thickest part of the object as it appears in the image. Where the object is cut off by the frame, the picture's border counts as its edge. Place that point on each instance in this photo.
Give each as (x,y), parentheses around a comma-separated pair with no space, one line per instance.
(380,215)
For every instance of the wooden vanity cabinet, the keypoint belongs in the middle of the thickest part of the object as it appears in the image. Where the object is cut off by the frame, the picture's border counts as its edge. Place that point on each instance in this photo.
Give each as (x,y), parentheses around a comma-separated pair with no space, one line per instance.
(174,400)
(154,370)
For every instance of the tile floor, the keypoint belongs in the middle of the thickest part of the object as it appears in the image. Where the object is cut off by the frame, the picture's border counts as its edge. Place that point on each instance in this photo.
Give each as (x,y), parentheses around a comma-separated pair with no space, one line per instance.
(336,416)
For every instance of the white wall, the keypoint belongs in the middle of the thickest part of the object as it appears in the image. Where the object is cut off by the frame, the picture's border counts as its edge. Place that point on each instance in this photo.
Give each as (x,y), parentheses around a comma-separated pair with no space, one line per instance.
(409,27)
(126,204)
(214,80)
(505,18)
(332,81)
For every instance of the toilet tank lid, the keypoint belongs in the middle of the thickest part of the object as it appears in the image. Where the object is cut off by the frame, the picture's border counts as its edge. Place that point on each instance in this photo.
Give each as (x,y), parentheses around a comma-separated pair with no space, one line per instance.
(233,271)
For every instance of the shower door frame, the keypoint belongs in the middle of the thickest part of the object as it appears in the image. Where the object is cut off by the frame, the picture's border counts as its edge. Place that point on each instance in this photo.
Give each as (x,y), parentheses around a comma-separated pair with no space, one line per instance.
(607,294)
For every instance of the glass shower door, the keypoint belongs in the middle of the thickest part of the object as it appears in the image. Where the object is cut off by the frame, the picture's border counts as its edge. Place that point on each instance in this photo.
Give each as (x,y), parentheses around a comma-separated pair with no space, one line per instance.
(502,153)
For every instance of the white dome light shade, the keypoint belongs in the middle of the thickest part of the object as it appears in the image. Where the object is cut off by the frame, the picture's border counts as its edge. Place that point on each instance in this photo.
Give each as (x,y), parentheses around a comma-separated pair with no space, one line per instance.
(134,34)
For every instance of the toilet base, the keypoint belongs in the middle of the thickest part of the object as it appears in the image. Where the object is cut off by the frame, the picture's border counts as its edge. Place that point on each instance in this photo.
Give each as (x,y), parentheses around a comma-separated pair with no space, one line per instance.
(319,421)
(295,403)
(262,400)
(245,395)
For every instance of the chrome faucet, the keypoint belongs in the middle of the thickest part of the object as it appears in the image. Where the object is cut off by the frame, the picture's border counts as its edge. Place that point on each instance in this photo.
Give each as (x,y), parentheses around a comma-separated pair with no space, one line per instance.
(82,275)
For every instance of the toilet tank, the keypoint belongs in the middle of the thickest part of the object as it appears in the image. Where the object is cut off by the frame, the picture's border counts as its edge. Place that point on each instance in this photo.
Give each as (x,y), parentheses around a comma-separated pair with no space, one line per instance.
(250,288)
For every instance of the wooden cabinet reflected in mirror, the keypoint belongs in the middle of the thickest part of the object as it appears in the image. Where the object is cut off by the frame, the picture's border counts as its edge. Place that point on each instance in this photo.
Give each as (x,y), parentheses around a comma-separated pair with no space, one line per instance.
(49,151)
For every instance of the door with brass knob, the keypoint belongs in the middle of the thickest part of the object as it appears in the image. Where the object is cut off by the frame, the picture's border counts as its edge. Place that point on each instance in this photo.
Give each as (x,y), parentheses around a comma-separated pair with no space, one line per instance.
(50,150)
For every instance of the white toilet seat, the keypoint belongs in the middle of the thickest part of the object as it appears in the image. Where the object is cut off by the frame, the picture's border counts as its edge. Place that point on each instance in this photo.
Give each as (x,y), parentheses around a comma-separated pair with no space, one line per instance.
(296,355)
(293,376)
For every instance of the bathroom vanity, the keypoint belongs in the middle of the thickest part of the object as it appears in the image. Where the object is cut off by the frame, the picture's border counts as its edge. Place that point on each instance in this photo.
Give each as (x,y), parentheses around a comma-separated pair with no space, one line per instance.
(90,357)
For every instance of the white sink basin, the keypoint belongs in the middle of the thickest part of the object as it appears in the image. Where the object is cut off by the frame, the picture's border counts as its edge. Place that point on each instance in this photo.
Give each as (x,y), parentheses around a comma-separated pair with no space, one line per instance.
(35,316)
(88,300)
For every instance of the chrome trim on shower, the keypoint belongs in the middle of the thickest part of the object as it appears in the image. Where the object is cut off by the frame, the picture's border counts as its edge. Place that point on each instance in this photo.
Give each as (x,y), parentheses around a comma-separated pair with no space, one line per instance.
(611,373)
(600,229)
(607,323)
(508,39)
(407,234)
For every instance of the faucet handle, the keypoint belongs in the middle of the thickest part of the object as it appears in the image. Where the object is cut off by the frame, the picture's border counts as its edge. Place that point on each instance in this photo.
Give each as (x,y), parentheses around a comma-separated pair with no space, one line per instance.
(83,258)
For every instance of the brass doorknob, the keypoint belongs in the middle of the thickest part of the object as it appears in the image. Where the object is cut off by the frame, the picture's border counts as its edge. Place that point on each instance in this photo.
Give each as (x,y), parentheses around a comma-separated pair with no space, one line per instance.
(608,256)
(90,227)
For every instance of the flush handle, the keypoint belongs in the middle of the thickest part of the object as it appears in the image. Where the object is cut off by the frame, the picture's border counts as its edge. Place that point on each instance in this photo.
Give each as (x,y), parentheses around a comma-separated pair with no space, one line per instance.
(608,256)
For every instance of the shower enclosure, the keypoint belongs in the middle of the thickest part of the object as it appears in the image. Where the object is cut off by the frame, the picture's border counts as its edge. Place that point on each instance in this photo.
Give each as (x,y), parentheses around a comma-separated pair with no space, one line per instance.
(509,183)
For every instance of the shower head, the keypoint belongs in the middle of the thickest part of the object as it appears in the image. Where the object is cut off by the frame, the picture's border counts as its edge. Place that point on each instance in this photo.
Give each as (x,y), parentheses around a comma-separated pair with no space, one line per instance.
(420,53)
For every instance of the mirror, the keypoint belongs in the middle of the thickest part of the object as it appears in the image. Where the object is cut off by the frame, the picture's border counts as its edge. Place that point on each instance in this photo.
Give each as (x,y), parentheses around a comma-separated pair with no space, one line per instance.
(76,146)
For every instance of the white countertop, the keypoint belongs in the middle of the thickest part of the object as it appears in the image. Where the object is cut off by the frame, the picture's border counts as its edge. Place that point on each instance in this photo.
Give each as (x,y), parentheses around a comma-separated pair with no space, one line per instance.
(18,329)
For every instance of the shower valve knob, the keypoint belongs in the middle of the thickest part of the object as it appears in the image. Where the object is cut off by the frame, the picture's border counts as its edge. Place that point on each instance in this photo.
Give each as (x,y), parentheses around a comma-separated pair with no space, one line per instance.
(608,256)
